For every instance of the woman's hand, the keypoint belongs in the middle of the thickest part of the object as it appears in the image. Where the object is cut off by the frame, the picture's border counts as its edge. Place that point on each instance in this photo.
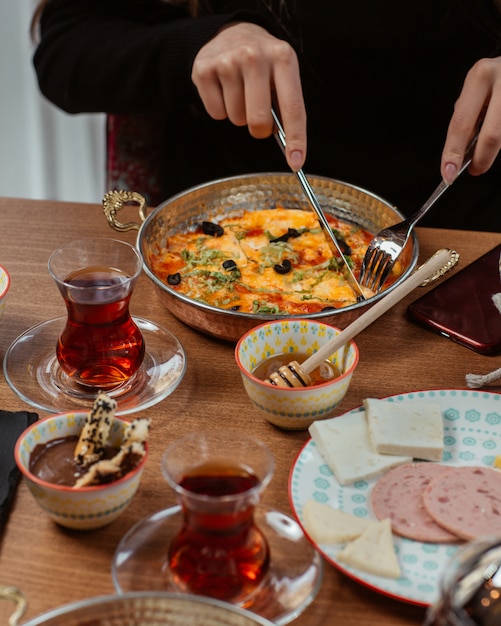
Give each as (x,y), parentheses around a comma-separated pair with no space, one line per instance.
(480,100)
(240,71)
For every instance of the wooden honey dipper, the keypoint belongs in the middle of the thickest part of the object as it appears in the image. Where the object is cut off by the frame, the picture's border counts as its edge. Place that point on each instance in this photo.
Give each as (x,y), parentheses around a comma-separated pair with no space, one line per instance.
(298,375)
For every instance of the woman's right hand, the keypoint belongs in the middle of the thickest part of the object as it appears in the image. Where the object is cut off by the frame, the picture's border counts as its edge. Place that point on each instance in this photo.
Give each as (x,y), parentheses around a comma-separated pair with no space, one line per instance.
(479,100)
(239,73)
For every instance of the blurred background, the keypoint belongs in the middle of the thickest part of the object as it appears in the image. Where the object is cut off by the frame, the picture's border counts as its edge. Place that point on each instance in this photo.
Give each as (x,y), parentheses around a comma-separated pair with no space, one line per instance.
(44,152)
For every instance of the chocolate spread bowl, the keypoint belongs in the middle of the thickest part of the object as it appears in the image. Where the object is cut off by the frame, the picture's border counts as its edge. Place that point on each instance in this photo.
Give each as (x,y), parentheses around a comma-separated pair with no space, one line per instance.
(82,508)
(214,200)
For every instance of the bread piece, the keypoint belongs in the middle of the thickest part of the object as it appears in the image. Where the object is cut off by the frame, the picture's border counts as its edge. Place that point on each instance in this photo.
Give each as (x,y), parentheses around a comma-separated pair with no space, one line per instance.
(344,444)
(325,524)
(411,428)
(373,552)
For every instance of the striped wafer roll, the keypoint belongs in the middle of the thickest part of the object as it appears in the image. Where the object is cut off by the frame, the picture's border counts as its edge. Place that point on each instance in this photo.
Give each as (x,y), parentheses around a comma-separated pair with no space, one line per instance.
(131,452)
(95,432)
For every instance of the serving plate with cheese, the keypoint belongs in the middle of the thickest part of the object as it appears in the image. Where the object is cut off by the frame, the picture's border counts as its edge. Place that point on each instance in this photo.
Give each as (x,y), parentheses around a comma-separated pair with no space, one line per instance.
(471,431)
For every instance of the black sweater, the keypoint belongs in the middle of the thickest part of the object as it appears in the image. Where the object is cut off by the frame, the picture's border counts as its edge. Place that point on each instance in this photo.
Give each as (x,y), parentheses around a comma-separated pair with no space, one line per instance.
(380,78)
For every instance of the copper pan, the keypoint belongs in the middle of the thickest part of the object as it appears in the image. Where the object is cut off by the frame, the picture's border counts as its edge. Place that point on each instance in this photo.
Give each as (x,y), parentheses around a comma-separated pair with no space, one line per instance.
(218,198)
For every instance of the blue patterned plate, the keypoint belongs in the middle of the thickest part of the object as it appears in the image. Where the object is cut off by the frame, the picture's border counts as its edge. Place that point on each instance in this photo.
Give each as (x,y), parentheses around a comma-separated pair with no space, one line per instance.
(472,436)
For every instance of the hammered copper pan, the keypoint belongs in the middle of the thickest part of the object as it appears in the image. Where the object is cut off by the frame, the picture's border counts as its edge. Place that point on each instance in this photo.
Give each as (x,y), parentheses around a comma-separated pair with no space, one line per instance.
(253,192)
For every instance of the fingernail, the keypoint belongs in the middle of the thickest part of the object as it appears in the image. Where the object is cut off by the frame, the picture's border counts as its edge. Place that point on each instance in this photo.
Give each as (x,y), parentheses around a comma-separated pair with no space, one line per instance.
(296,160)
(450,173)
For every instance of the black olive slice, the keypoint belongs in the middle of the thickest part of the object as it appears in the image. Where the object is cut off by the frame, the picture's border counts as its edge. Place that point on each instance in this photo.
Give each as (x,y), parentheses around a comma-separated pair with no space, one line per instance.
(174,279)
(345,248)
(284,267)
(229,264)
(212,229)
(235,308)
(291,233)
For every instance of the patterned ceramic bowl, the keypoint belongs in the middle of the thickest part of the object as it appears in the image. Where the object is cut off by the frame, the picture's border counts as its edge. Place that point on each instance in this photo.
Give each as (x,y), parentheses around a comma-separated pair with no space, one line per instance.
(86,507)
(293,408)
(4,288)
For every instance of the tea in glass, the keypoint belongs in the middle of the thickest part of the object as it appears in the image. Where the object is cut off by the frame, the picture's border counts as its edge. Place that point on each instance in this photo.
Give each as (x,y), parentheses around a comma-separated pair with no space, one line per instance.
(100,345)
(219,551)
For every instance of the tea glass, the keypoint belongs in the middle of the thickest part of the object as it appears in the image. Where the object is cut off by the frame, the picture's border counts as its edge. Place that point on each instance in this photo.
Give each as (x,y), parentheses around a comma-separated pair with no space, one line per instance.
(219,478)
(100,345)
(470,587)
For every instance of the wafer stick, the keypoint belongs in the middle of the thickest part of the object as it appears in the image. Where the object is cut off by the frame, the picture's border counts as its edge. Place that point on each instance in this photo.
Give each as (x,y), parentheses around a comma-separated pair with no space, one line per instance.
(94,435)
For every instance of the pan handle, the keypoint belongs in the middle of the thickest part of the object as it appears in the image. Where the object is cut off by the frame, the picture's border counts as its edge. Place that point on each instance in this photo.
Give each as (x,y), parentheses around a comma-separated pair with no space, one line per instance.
(114,201)
(11,593)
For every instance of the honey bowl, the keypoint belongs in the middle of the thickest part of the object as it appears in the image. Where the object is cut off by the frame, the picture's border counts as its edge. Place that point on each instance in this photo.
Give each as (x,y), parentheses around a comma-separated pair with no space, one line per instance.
(81,508)
(278,343)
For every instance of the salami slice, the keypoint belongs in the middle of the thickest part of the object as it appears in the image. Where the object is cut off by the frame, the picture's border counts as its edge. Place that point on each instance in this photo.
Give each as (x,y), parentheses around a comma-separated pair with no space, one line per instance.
(399,495)
(466,501)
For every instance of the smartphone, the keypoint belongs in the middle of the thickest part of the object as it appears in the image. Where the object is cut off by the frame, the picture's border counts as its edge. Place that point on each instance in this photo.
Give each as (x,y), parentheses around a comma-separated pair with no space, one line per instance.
(464,307)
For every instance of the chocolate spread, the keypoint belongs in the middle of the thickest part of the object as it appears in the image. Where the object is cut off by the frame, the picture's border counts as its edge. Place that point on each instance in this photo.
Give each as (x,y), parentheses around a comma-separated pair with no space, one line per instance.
(54,461)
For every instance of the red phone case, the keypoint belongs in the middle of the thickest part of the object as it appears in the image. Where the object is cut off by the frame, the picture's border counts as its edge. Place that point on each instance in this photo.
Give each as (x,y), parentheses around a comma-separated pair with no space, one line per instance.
(462,307)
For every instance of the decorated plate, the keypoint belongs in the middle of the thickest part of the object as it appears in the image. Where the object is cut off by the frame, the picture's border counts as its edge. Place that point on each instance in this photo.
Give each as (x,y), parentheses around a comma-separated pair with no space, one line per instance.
(472,436)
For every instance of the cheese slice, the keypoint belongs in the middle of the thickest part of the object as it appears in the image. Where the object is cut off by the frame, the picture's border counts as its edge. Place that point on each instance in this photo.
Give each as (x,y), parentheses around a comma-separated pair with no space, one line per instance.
(344,444)
(413,428)
(325,524)
(373,552)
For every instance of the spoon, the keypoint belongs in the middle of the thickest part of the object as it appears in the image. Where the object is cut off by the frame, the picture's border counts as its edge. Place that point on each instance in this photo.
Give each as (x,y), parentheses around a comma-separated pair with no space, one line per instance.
(296,375)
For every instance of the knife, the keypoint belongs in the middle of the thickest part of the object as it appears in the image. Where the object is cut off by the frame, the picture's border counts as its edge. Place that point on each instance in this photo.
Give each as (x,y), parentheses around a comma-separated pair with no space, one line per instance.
(315,205)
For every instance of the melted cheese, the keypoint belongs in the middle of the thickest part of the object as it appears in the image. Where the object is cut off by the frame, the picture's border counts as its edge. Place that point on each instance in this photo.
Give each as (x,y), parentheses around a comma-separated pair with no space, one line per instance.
(262,280)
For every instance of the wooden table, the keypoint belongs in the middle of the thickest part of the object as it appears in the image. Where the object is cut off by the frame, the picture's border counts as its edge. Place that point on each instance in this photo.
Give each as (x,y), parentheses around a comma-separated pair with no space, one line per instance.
(53,566)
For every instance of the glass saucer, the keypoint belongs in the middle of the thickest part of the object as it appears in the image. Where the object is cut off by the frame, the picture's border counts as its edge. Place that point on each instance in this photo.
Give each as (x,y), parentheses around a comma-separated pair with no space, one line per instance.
(32,371)
(292,582)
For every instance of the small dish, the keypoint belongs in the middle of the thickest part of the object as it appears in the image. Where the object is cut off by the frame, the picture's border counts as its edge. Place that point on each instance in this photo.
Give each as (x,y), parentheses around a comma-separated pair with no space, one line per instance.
(293,580)
(297,407)
(4,288)
(32,371)
(84,508)
(148,609)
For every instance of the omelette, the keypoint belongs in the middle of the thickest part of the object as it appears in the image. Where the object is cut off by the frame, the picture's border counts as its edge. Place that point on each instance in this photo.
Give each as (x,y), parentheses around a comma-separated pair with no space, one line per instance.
(272,261)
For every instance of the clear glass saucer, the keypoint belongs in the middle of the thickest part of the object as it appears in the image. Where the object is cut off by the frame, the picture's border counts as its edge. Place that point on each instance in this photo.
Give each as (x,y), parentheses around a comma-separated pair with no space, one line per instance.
(32,371)
(292,582)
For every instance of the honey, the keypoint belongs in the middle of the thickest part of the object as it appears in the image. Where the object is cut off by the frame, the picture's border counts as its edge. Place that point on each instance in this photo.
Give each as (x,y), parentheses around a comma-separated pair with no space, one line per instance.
(324,372)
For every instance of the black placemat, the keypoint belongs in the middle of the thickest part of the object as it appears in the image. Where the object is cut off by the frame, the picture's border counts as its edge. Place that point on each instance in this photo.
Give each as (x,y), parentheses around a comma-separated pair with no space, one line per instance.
(11,426)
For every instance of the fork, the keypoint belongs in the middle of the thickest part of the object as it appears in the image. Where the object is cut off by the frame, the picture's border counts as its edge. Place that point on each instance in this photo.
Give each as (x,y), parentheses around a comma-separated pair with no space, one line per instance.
(386,246)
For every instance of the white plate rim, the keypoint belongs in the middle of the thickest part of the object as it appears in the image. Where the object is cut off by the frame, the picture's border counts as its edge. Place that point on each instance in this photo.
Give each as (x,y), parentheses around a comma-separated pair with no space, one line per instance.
(382,585)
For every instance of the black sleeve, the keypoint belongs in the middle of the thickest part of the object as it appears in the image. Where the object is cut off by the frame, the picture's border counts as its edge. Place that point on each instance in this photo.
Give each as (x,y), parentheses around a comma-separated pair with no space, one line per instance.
(487,15)
(123,56)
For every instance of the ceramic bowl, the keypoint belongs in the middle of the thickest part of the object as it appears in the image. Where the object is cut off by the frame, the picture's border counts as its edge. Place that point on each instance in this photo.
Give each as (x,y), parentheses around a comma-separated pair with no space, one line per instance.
(4,288)
(293,408)
(86,507)
(149,608)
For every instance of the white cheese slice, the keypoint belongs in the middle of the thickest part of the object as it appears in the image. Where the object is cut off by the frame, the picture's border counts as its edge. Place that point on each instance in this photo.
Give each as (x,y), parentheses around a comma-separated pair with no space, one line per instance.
(373,552)
(325,524)
(344,444)
(413,428)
